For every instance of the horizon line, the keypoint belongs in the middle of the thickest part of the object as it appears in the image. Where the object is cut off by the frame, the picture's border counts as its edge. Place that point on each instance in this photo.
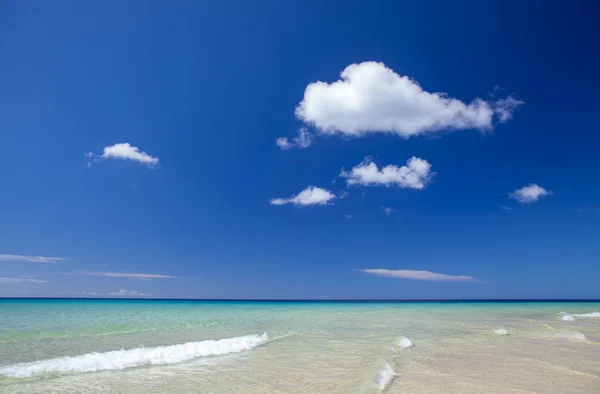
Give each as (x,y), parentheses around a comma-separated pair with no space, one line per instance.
(322,300)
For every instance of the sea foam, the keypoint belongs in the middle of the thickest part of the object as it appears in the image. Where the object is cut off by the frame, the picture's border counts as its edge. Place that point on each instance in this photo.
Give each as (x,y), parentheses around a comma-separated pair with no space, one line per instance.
(404,342)
(576,335)
(384,377)
(566,316)
(501,331)
(592,314)
(121,359)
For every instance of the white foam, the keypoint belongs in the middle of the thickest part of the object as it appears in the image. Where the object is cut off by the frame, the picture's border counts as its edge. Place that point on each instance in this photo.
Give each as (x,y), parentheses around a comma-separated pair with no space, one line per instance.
(121,359)
(404,343)
(577,335)
(501,331)
(566,316)
(592,314)
(384,377)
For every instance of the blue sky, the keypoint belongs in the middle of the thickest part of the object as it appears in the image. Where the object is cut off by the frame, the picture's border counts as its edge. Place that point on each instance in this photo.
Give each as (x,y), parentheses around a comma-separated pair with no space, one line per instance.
(188,193)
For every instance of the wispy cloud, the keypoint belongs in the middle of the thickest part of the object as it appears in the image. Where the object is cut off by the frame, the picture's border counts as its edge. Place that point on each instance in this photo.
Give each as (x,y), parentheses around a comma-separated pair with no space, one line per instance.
(416,174)
(125,151)
(417,275)
(32,259)
(21,280)
(302,140)
(138,276)
(372,98)
(120,293)
(312,195)
(128,293)
(506,208)
(388,211)
(529,193)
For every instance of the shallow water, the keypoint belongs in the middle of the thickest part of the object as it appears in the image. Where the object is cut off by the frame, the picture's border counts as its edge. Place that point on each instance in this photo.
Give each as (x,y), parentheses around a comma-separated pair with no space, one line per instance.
(116,346)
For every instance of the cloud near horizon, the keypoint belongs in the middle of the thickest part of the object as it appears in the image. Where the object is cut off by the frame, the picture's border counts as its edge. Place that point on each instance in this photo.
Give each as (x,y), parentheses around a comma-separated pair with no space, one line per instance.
(22,280)
(125,275)
(312,195)
(371,98)
(31,259)
(125,151)
(530,193)
(416,174)
(417,275)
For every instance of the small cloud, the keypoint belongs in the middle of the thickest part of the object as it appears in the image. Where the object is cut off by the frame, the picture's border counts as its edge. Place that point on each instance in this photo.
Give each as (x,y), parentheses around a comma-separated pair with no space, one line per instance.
(506,208)
(580,210)
(348,216)
(303,140)
(529,193)
(417,275)
(312,195)
(124,275)
(505,108)
(128,293)
(416,174)
(125,151)
(372,98)
(31,259)
(21,280)
(388,211)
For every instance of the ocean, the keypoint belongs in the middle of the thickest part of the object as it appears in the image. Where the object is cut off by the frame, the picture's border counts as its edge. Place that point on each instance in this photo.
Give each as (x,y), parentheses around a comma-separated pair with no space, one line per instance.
(160,346)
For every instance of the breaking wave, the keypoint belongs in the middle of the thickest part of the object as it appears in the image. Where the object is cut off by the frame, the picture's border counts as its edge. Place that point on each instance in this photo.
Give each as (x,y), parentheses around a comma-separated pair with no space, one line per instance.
(576,335)
(501,331)
(592,314)
(384,377)
(566,316)
(121,359)
(404,342)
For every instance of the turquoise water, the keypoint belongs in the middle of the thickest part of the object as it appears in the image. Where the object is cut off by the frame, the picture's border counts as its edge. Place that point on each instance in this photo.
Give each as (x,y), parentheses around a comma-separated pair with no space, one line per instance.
(263,347)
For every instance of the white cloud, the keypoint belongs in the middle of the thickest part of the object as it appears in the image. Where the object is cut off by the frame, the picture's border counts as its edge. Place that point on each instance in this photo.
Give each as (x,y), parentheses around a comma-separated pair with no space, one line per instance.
(370,97)
(414,175)
(388,211)
(21,280)
(125,275)
(417,275)
(348,216)
(127,293)
(529,193)
(120,293)
(127,152)
(32,259)
(506,208)
(310,196)
(303,140)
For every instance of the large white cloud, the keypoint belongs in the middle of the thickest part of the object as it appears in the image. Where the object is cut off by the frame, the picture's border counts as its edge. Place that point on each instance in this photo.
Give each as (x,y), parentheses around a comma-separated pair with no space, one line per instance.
(312,195)
(529,193)
(417,275)
(32,259)
(414,175)
(125,151)
(370,97)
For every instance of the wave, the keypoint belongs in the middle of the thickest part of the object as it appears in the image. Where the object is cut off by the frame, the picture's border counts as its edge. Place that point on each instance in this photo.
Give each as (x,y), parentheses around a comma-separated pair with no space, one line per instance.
(404,342)
(384,377)
(576,335)
(592,314)
(566,316)
(501,331)
(121,359)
